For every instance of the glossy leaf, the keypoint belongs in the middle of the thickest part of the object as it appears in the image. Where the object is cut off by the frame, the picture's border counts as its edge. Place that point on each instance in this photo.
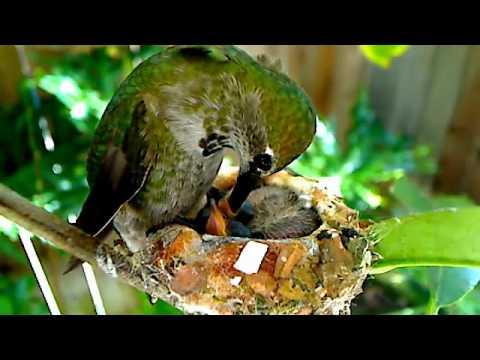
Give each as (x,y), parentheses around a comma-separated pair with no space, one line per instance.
(159,308)
(448,285)
(438,238)
(468,305)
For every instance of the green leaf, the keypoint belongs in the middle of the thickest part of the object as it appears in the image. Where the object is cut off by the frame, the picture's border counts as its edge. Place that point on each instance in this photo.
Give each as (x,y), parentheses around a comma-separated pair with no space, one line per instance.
(470,304)
(8,228)
(449,285)
(383,55)
(164,308)
(438,238)
(159,308)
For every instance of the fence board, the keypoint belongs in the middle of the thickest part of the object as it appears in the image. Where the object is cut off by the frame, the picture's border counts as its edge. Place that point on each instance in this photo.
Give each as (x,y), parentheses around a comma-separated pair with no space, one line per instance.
(446,84)
(460,161)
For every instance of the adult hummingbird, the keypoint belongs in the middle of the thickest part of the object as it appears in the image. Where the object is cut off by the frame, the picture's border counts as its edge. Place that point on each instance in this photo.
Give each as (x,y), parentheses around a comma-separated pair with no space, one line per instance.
(161,140)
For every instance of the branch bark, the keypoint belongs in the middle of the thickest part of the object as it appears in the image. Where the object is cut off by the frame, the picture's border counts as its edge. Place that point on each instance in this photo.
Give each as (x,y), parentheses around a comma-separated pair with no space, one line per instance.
(45,225)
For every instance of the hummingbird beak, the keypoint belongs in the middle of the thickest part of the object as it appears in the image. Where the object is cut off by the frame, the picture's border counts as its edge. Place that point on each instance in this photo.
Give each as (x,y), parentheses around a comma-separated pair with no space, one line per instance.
(247,181)
(229,206)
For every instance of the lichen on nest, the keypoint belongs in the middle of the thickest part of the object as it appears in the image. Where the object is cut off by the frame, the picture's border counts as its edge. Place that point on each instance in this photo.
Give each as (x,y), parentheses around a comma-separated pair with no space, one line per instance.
(319,272)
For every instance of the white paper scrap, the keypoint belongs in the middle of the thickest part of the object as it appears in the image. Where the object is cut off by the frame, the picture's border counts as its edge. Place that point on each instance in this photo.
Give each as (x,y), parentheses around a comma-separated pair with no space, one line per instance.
(236,280)
(251,257)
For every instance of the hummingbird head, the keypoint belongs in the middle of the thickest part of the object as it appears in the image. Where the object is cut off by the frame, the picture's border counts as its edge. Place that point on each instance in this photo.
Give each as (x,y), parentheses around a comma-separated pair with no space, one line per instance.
(248,136)
(270,124)
(254,153)
(267,126)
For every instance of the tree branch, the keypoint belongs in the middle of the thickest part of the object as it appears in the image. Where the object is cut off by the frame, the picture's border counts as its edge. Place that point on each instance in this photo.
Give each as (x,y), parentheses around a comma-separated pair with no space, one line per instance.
(45,225)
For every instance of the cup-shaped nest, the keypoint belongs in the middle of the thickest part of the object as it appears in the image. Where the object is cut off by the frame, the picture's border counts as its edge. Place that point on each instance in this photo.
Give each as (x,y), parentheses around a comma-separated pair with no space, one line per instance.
(308,254)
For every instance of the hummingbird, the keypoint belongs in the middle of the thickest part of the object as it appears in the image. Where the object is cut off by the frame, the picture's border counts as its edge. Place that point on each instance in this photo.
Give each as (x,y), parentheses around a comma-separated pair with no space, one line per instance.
(161,140)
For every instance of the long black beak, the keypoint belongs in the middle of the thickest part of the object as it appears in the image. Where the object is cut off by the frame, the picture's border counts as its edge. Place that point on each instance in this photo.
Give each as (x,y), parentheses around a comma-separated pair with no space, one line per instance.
(246,183)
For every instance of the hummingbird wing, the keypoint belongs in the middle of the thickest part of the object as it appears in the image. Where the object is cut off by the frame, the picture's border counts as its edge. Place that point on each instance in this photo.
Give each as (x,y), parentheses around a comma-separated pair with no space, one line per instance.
(121,176)
(117,168)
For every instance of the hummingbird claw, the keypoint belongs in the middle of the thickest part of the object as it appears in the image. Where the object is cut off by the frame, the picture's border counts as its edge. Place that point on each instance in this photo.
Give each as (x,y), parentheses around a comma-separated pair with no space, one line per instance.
(213,144)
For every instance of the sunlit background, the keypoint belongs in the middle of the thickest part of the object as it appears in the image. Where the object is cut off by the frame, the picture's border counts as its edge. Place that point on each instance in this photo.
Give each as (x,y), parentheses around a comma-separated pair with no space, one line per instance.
(399,132)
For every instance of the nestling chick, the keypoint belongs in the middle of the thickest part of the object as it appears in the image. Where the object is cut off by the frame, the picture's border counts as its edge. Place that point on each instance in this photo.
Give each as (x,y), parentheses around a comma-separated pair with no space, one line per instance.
(280,214)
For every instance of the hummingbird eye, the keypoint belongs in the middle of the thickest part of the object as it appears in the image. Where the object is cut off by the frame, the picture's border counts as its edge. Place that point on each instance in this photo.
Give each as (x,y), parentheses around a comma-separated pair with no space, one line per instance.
(263,161)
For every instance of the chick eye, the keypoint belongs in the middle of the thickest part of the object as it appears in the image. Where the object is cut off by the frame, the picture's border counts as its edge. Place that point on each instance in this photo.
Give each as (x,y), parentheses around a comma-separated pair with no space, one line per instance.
(263,161)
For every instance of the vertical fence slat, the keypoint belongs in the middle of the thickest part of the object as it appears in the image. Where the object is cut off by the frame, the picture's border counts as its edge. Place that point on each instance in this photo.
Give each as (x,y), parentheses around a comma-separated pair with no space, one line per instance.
(445,87)
(460,160)
(411,89)
(349,67)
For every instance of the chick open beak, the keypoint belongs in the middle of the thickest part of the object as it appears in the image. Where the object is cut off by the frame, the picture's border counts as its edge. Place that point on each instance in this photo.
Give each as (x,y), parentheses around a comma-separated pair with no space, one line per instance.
(216,223)
(219,218)
(228,207)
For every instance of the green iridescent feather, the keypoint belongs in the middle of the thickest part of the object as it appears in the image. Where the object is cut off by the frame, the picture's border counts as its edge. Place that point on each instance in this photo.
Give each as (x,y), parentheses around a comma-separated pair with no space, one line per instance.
(288,108)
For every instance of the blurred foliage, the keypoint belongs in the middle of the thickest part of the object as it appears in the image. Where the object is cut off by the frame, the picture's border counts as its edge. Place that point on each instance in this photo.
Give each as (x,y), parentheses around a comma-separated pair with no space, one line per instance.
(18,296)
(449,285)
(18,291)
(44,152)
(372,160)
(383,55)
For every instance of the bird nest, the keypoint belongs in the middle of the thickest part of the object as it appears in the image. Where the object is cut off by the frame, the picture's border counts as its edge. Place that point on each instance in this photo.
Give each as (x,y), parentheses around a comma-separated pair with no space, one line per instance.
(319,273)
